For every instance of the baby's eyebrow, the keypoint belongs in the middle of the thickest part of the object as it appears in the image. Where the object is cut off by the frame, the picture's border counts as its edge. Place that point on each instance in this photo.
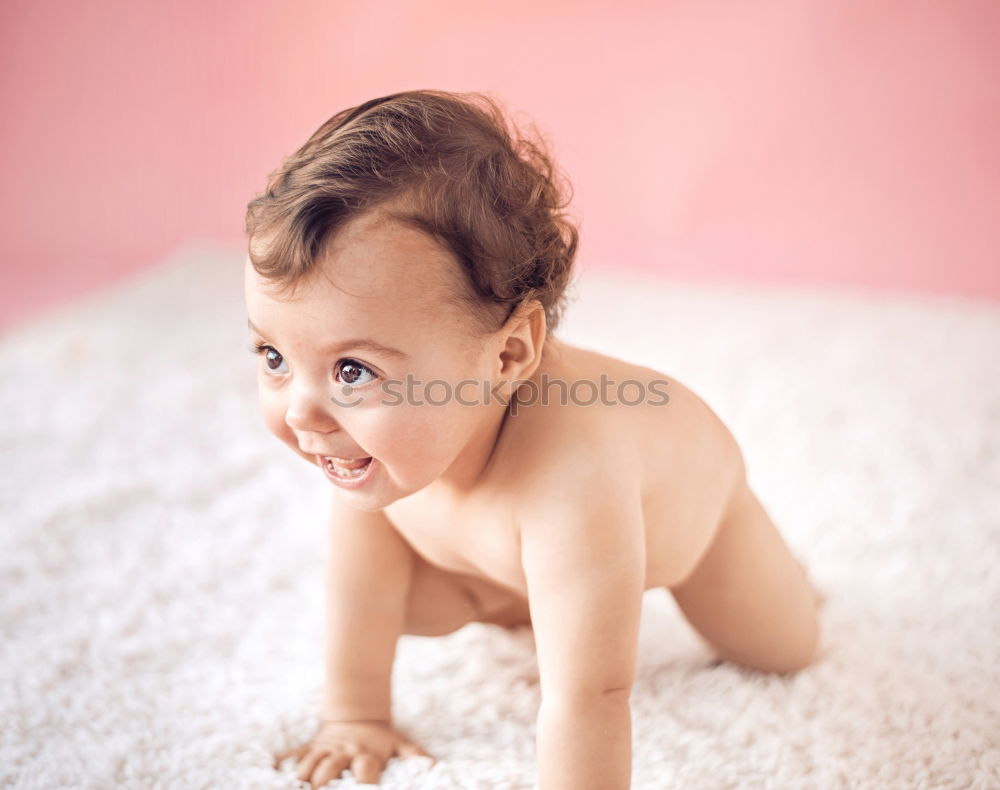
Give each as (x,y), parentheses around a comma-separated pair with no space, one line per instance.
(361,343)
(367,345)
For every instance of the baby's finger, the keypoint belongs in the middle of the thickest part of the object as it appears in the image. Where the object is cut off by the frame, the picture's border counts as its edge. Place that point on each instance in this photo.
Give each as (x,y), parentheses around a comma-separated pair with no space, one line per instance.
(307,763)
(296,752)
(407,749)
(366,768)
(330,767)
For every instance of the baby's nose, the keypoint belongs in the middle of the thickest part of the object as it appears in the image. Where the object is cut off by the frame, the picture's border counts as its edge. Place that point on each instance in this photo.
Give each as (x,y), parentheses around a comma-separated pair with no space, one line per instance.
(308,409)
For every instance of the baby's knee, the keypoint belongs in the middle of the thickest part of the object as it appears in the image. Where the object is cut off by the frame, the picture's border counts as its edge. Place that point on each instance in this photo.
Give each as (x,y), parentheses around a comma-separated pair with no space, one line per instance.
(801,653)
(794,650)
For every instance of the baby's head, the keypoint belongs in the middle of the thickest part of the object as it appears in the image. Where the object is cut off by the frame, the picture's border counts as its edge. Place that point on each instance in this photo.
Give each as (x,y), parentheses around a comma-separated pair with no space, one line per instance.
(426,227)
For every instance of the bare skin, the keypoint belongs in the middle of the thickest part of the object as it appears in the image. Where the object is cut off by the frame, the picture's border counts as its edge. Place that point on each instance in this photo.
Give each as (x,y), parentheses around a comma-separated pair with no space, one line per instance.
(709,540)
(462,516)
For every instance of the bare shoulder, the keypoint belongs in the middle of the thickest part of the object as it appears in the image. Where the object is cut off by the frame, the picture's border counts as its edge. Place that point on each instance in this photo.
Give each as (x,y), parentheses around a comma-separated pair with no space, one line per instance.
(571,447)
(669,448)
(576,456)
(682,455)
(652,420)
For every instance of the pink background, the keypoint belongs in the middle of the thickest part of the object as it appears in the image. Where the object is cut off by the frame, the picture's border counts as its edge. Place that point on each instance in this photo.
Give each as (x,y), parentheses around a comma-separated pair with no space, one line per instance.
(852,144)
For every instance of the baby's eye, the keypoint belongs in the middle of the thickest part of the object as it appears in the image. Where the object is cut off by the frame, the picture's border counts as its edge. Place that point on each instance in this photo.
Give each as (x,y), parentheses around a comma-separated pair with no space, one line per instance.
(352,371)
(272,359)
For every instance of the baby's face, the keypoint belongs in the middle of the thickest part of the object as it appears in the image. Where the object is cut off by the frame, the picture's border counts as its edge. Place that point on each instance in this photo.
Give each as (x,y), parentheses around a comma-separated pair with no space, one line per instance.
(382,283)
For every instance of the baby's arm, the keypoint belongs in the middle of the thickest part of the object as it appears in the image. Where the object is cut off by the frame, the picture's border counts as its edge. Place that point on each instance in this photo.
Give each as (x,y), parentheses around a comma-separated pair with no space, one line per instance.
(368,576)
(367,583)
(584,561)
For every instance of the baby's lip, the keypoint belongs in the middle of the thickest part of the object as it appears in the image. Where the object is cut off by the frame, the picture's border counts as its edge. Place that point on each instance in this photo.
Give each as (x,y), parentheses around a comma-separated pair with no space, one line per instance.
(343,460)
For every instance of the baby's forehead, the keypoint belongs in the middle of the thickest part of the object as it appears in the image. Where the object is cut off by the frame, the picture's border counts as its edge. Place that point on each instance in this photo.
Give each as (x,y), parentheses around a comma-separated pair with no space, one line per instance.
(387,258)
(377,263)
(384,238)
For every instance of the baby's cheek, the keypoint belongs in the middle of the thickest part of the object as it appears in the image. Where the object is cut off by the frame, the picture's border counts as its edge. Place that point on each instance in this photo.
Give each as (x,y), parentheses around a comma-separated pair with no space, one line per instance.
(274,419)
(393,432)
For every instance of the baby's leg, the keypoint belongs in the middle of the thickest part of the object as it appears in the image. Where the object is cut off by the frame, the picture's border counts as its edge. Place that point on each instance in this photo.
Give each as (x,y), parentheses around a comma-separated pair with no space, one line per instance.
(441,602)
(749,597)
(820,598)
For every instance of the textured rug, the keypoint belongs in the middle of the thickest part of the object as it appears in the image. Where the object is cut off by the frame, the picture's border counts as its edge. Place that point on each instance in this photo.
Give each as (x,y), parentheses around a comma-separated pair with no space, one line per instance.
(161,563)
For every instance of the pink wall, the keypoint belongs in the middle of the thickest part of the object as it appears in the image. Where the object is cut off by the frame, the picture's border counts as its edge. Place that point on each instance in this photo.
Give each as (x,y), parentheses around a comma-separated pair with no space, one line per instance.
(808,142)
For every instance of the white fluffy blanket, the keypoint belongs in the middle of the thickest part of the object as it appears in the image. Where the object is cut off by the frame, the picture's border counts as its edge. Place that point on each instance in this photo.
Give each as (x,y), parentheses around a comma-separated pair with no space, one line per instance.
(161,562)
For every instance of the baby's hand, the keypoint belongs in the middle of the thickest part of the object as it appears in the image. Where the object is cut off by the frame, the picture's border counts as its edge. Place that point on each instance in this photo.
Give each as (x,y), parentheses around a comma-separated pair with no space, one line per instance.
(364,746)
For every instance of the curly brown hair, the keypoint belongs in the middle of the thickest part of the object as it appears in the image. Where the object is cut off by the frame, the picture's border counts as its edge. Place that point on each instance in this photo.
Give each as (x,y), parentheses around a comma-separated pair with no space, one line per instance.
(468,177)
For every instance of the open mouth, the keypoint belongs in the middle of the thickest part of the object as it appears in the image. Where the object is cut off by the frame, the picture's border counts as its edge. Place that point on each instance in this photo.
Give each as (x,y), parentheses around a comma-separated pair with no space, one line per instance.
(345,468)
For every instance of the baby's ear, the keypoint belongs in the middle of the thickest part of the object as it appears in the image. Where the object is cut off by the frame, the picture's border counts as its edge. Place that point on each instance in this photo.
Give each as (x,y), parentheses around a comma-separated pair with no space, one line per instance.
(524,338)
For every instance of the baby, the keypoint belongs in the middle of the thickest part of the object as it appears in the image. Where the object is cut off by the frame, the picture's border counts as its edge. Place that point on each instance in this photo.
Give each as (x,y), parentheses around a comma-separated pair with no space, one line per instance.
(407,268)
